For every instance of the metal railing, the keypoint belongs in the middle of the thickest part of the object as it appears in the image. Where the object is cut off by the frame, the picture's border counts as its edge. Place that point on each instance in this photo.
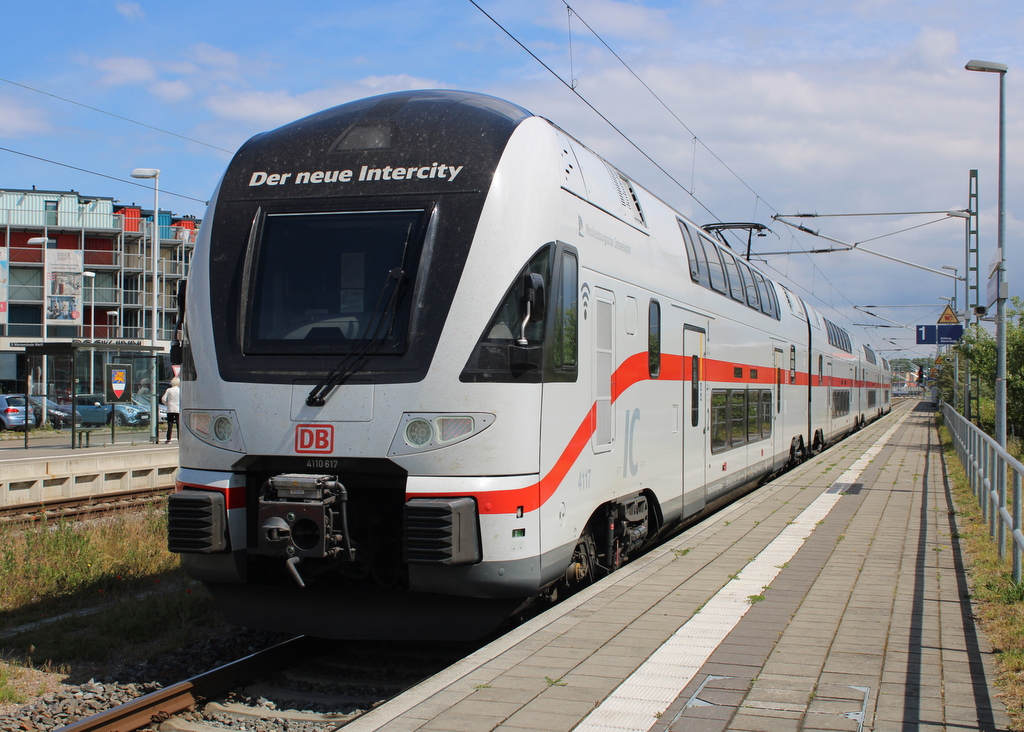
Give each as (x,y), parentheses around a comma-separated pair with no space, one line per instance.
(989,467)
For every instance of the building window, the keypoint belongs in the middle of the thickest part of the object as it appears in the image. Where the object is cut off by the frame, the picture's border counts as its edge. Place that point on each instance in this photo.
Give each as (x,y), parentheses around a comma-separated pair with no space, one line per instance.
(26,284)
(25,320)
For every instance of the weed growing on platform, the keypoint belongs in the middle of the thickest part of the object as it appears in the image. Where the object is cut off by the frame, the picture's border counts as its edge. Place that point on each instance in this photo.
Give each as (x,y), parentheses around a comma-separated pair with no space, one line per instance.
(998,601)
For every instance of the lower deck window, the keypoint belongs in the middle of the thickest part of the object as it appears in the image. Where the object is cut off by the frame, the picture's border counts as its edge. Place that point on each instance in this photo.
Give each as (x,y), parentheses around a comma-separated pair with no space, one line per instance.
(739,416)
(840,402)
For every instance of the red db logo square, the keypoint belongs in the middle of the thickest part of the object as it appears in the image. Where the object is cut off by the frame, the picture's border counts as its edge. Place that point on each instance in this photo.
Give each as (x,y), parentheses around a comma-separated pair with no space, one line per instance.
(314,438)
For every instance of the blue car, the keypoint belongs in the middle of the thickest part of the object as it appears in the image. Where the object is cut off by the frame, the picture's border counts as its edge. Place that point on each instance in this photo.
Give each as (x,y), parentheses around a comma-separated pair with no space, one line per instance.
(12,412)
(93,411)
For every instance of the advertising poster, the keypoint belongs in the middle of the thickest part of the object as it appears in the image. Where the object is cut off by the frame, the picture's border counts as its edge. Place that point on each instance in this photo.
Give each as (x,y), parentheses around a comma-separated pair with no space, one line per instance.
(4,273)
(63,287)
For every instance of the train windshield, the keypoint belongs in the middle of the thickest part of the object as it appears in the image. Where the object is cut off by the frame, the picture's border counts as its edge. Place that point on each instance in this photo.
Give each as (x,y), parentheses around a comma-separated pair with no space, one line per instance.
(334,282)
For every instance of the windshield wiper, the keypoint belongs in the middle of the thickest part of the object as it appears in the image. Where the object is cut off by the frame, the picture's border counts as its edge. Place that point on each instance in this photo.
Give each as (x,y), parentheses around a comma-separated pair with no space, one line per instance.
(366,345)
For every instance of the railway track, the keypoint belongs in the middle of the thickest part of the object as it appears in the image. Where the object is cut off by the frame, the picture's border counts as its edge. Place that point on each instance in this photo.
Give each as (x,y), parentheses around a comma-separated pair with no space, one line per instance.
(27,513)
(302,684)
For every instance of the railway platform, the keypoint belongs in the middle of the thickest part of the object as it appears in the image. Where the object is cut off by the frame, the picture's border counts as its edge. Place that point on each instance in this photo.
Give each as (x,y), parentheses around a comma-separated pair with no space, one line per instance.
(833,598)
(49,469)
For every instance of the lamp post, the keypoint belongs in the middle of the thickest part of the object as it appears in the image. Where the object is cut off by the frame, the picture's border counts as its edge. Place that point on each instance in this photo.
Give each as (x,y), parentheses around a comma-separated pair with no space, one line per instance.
(44,242)
(92,330)
(153,173)
(996,68)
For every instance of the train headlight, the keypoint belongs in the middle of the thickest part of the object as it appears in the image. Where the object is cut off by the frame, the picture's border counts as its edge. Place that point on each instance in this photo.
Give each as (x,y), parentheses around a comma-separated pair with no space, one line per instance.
(420,432)
(217,427)
(223,428)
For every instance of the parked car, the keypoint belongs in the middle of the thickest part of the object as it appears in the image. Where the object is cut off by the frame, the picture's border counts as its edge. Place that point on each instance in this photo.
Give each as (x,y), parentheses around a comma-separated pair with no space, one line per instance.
(12,412)
(57,415)
(93,411)
(142,401)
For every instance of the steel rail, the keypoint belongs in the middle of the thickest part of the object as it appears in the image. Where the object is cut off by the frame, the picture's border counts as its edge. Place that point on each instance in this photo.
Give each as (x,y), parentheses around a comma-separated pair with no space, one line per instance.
(159,705)
(81,505)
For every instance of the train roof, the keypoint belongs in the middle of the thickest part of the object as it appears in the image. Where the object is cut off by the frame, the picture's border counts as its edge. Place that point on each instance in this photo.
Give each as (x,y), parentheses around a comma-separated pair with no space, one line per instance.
(413,129)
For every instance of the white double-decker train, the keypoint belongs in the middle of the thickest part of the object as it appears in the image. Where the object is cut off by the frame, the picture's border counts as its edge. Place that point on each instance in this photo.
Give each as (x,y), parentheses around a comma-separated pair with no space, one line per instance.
(439,359)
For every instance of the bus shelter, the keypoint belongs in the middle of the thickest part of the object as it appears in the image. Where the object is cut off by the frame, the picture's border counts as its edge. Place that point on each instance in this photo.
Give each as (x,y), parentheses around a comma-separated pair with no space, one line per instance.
(67,376)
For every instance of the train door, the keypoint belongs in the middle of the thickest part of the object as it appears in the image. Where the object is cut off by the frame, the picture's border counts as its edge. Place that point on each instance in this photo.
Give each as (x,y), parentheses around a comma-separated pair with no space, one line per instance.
(780,442)
(694,430)
(830,414)
(604,367)
(565,415)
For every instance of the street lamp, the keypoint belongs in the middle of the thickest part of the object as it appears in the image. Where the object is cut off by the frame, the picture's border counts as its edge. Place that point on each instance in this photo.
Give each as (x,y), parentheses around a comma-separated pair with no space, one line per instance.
(92,330)
(153,173)
(44,242)
(996,68)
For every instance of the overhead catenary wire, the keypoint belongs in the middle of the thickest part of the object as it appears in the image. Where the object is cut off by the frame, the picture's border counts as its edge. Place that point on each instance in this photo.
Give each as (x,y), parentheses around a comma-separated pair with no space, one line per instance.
(115,116)
(101,175)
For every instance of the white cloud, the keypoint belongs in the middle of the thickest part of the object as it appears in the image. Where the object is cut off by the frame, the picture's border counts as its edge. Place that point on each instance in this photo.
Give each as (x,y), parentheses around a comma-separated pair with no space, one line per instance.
(611,19)
(932,50)
(132,11)
(398,82)
(125,70)
(214,58)
(171,91)
(271,109)
(263,109)
(19,120)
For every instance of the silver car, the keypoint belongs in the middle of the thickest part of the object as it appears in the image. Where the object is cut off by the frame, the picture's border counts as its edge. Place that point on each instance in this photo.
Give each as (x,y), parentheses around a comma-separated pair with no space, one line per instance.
(12,412)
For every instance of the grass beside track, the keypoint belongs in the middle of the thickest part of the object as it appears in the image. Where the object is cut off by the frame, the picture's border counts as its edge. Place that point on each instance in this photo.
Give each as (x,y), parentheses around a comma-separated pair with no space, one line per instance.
(998,601)
(85,594)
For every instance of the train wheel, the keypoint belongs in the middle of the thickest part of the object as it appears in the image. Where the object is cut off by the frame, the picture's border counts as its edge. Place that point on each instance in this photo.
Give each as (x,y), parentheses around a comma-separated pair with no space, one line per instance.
(583,567)
(797,454)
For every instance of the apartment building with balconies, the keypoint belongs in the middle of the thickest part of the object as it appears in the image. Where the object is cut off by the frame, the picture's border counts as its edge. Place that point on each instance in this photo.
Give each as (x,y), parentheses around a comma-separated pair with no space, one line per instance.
(115,242)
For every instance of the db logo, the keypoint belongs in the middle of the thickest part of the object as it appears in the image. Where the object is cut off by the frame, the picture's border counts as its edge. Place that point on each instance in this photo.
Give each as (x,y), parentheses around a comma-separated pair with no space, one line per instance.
(314,438)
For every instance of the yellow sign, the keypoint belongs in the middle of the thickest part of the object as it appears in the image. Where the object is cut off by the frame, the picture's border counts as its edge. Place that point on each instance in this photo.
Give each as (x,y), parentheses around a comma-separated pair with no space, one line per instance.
(948,317)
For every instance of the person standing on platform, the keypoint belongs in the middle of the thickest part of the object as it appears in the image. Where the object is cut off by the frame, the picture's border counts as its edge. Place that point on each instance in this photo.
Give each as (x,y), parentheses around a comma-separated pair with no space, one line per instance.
(171,400)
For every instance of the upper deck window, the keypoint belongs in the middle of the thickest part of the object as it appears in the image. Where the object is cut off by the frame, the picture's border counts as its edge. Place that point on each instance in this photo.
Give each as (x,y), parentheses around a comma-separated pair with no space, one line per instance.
(333,282)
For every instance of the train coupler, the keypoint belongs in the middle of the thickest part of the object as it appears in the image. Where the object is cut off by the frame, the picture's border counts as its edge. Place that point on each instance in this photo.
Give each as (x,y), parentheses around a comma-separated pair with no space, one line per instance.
(302,516)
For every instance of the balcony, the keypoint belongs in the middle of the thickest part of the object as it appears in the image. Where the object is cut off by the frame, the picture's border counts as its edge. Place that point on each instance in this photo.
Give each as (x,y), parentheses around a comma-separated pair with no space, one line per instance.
(93,220)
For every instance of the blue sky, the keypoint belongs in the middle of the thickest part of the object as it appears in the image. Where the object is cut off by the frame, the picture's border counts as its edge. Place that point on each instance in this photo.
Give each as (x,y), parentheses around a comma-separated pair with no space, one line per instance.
(788,106)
